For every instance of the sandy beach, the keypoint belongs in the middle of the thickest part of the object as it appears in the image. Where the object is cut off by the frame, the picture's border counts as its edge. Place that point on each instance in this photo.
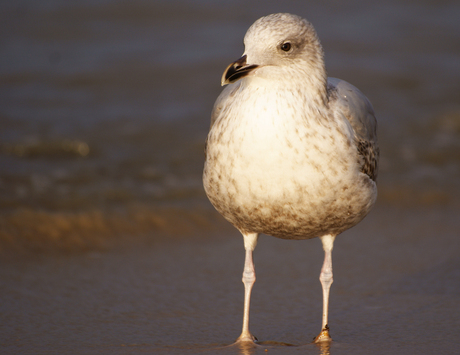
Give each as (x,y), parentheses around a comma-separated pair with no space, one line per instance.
(395,291)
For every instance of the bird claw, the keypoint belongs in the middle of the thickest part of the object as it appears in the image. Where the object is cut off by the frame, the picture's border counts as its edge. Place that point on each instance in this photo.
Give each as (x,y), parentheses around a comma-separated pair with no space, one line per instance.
(247,338)
(323,336)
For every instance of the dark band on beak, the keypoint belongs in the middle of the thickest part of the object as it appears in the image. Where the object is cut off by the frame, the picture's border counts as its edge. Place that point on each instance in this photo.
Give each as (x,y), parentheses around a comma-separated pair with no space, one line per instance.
(236,71)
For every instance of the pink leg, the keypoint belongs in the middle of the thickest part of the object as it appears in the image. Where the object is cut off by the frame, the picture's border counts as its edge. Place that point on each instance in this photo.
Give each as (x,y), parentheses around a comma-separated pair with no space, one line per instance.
(249,277)
(326,281)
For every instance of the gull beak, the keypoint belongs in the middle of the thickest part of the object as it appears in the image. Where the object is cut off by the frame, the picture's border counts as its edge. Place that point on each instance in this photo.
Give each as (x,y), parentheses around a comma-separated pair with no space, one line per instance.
(237,70)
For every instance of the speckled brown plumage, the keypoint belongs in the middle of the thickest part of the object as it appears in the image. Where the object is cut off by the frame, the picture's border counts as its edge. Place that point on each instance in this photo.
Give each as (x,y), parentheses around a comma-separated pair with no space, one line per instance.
(290,153)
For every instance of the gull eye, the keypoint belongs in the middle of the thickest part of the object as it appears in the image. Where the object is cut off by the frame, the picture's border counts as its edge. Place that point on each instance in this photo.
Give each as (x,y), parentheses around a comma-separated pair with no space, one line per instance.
(286,46)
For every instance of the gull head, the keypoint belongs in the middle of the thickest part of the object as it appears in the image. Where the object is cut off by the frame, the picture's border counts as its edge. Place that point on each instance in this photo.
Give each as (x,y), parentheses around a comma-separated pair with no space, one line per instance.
(280,48)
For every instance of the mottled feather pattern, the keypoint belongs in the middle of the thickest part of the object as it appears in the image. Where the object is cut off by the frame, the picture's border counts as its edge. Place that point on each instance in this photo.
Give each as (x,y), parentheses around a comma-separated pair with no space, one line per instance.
(360,114)
(370,156)
(290,152)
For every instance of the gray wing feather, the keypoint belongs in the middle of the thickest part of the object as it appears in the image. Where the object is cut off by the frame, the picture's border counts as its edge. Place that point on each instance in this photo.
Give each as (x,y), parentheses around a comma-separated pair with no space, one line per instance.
(357,109)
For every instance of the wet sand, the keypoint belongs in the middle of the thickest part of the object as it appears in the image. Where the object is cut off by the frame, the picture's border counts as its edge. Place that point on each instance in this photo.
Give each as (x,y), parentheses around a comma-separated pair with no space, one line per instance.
(396,290)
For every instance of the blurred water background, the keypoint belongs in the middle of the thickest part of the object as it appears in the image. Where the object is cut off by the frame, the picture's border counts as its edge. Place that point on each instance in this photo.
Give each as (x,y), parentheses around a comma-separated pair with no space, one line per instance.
(105,106)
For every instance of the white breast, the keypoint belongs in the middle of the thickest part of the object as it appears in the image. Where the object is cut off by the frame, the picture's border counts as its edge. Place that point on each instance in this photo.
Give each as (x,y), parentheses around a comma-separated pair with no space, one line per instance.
(265,156)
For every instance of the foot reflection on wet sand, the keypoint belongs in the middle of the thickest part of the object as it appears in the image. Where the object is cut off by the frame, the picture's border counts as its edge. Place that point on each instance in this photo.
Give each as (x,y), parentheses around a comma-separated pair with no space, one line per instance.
(270,347)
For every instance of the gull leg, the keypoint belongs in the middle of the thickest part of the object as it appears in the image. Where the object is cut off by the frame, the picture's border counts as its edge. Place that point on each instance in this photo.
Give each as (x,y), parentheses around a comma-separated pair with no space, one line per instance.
(249,277)
(326,281)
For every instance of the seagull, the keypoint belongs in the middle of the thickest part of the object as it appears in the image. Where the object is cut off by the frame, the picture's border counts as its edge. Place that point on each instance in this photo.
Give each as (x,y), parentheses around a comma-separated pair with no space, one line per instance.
(290,152)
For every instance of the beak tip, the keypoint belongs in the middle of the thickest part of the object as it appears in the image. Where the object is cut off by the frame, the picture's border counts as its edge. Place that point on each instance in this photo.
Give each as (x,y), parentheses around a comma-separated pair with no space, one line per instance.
(236,70)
